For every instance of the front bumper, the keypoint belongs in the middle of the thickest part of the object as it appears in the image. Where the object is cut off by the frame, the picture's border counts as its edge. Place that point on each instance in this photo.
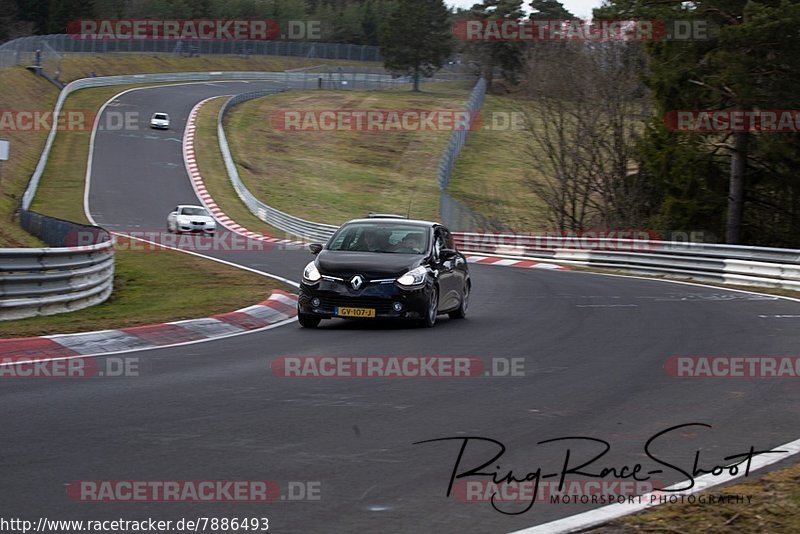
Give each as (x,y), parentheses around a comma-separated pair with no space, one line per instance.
(197,229)
(159,126)
(378,296)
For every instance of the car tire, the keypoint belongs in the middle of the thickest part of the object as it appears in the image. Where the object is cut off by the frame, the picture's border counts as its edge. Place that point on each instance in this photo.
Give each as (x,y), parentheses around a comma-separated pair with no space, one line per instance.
(461,312)
(433,309)
(308,321)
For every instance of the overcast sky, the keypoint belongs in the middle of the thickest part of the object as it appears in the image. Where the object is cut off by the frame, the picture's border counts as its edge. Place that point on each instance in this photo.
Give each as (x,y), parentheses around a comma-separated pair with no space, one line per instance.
(580,8)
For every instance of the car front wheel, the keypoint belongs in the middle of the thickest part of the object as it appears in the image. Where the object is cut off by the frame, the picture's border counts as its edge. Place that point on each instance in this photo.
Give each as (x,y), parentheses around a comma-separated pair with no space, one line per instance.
(461,312)
(433,309)
(308,321)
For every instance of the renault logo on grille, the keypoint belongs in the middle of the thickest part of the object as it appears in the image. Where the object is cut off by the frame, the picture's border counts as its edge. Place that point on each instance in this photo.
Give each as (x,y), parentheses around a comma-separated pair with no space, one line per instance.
(356,281)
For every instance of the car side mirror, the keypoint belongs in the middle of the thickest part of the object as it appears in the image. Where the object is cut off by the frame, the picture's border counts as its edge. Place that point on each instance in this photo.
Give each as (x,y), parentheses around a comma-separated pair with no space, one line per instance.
(315,248)
(448,253)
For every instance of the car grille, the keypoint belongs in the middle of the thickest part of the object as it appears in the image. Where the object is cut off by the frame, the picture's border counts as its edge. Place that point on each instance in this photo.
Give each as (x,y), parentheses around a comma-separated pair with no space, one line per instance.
(380,305)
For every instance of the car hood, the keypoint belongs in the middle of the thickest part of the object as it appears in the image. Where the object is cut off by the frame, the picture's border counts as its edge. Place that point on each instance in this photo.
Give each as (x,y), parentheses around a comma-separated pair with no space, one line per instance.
(196,218)
(373,265)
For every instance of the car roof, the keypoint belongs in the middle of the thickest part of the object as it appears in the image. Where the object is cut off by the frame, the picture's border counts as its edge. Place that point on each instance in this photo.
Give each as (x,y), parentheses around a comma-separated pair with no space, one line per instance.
(190,206)
(373,215)
(400,220)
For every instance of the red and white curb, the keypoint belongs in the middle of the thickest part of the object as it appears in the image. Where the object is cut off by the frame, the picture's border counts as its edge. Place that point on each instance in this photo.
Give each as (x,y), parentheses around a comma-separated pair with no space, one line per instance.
(279,307)
(205,197)
(509,262)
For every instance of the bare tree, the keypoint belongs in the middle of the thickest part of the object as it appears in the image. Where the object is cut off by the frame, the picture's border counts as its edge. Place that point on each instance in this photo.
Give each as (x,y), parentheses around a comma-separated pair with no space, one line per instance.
(585,113)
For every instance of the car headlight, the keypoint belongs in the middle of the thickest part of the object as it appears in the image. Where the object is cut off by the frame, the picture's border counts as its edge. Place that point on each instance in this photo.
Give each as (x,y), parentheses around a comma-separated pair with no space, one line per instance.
(311,274)
(413,277)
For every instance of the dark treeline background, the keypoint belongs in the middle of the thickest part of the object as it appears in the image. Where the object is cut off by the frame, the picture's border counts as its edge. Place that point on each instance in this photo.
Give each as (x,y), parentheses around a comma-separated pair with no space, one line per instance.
(609,158)
(344,21)
(744,187)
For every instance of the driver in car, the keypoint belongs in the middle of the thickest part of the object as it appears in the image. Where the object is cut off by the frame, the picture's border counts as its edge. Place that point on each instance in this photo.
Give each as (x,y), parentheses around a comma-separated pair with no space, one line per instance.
(370,241)
(410,242)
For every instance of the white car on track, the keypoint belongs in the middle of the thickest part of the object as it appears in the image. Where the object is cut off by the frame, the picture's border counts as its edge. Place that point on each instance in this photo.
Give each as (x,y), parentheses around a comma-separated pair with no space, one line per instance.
(160,121)
(188,218)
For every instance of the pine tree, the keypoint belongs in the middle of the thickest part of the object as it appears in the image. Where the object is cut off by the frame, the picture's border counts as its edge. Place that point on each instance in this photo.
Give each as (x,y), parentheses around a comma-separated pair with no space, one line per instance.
(509,56)
(751,61)
(549,10)
(416,38)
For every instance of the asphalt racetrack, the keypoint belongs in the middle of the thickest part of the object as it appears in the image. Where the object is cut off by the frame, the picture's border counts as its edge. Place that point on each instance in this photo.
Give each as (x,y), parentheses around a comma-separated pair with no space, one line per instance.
(593,349)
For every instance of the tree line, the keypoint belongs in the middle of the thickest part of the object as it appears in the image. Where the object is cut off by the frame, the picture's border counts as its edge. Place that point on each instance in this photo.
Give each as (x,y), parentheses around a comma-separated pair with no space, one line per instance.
(596,130)
(597,118)
(344,21)
(741,186)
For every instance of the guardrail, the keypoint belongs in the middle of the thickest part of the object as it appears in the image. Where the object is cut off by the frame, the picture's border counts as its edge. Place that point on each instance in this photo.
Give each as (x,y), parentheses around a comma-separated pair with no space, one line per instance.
(307,230)
(758,266)
(76,273)
(731,264)
(105,81)
(71,276)
(65,278)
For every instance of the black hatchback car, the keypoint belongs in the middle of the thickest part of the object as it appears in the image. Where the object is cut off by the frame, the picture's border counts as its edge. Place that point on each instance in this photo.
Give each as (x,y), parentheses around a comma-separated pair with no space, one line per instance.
(385,267)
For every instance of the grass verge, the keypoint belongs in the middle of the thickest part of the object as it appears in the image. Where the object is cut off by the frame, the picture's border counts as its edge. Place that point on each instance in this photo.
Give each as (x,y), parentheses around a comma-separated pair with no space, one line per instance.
(333,176)
(60,192)
(20,90)
(775,507)
(142,295)
(491,173)
(215,177)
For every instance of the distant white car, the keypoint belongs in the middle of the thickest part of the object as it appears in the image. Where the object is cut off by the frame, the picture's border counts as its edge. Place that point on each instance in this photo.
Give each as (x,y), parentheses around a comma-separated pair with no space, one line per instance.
(187,218)
(160,121)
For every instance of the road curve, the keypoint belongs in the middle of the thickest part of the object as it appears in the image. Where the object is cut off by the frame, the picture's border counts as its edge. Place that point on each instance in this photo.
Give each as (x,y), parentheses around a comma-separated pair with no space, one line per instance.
(594,349)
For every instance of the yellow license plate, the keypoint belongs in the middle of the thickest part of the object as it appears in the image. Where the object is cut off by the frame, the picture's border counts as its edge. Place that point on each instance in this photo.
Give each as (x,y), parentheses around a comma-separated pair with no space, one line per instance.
(355,312)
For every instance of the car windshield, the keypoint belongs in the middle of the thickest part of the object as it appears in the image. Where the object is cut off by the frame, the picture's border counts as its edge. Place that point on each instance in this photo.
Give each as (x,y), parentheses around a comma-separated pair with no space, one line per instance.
(160,116)
(193,211)
(384,237)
